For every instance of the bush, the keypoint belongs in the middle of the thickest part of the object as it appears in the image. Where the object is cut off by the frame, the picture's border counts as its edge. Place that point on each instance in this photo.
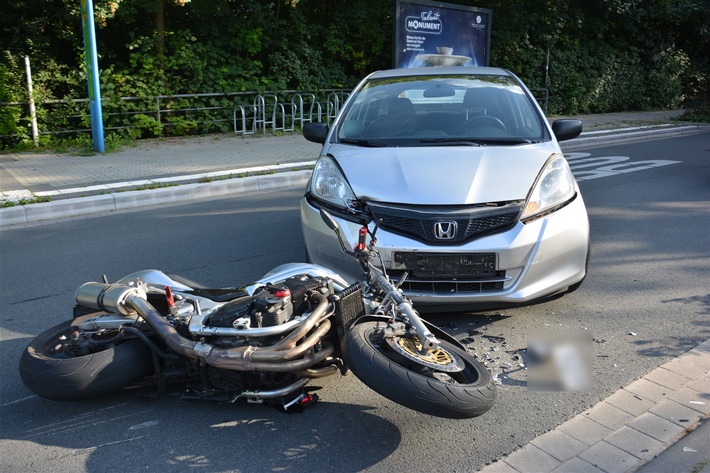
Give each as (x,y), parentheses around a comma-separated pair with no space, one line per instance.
(145,127)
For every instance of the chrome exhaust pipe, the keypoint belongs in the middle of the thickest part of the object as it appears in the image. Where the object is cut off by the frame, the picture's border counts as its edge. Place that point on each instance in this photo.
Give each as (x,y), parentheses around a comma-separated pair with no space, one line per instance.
(314,373)
(228,359)
(290,340)
(108,297)
(275,393)
(171,337)
(246,358)
(286,355)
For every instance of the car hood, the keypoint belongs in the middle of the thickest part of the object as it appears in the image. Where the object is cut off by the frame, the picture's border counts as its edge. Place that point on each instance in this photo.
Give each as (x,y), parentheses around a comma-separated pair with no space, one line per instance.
(450,175)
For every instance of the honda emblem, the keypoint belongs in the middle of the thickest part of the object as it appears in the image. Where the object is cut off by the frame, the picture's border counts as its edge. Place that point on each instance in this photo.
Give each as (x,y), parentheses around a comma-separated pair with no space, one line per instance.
(445,230)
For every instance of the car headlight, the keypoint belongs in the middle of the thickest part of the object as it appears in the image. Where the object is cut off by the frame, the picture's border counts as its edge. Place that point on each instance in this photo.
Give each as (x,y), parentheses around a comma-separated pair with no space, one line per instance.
(553,188)
(328,184)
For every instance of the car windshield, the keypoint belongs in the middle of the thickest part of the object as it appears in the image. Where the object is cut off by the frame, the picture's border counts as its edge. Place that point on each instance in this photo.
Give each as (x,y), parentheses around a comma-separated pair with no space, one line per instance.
(476,110)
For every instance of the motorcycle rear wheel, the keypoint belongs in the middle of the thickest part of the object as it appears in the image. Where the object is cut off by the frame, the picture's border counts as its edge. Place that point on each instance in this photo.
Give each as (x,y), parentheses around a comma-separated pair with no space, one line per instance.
(455,395)
(51,373)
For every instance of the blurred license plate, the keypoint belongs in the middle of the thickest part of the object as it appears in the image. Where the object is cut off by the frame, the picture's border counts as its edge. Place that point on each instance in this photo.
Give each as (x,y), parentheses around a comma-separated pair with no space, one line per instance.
(474,264)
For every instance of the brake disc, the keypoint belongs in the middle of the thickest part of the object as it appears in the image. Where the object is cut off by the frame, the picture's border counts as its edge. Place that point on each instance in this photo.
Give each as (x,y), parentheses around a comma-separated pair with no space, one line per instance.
(439,359)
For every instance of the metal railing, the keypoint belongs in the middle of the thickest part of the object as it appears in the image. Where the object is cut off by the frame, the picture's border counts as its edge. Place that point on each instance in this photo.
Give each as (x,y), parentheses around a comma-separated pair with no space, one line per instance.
(245,113)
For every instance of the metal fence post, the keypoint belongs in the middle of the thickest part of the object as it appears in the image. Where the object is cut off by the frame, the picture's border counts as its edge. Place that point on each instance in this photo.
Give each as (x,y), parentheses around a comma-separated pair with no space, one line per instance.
(33,114)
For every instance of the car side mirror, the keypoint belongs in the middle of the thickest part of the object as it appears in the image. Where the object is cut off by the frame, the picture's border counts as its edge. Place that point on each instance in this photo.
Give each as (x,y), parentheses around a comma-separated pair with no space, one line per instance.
(566,128)
(315,132)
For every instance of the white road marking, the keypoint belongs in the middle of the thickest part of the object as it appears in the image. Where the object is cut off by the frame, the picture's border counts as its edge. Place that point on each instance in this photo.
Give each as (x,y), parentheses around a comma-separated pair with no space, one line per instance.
(586,167)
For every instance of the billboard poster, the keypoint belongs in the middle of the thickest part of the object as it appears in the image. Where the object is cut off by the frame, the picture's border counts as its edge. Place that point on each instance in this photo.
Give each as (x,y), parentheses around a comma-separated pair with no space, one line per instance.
(429,34)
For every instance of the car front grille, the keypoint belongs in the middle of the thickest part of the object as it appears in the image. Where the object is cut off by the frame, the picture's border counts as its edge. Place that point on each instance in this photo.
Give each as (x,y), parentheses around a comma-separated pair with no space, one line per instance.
(468,223)
(462,286)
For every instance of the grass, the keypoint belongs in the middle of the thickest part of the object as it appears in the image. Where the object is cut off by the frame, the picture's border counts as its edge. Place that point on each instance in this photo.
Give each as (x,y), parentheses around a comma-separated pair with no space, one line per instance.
(699,467)
(33,200)
(238,176)
(80,145)
(156,186)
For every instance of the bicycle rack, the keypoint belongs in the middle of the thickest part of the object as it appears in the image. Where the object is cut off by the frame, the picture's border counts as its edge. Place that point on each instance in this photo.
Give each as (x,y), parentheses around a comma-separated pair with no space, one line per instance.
(282,108)
(260,112)
(333,107)
(334,101)
(299,113)
(318,111)
(242,110)
(268,112)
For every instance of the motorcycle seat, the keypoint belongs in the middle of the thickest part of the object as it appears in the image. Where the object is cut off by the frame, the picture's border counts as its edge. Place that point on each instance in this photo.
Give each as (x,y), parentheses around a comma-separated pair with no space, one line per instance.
(224,294)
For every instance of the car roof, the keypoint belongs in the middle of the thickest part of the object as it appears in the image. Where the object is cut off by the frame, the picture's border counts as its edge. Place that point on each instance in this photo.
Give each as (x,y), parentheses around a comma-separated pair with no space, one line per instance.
(453,70)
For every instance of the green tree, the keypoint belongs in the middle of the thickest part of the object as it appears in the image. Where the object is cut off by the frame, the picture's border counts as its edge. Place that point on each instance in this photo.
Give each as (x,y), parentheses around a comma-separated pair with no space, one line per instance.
(604,55)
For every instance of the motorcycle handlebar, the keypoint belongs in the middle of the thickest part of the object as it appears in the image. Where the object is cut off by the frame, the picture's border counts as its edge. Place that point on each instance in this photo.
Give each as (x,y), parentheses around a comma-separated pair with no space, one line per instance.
(362,252)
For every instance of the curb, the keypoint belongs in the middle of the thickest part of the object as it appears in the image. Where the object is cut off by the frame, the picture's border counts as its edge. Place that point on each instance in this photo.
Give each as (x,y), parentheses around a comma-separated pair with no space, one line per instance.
(120,201)
(206,177)
(610,137)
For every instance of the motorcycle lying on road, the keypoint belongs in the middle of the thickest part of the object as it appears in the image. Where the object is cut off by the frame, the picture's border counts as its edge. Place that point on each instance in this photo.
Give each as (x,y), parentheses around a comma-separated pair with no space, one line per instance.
(262,342)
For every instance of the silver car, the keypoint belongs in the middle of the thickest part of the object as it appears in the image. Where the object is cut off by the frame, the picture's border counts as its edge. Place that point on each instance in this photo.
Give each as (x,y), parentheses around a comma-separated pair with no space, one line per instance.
(475,202)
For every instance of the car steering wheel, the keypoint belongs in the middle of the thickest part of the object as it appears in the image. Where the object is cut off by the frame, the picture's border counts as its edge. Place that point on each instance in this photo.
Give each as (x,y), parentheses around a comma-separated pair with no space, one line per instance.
(486,120)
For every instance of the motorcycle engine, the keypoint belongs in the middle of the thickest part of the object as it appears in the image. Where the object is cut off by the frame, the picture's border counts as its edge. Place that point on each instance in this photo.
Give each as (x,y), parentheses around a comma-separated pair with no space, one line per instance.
(273,305)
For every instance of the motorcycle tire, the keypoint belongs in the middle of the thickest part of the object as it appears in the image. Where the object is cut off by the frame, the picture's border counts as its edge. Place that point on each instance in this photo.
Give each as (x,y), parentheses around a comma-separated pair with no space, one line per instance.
(461,395)
(53,374)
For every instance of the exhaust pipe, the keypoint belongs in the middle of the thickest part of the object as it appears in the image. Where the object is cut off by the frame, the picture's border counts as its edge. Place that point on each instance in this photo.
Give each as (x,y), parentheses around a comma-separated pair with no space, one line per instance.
(109,297)
(287,355)
(275,393)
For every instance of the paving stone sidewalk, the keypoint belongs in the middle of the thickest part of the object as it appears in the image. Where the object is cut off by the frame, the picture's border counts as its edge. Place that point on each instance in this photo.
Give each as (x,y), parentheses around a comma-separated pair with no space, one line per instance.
(150,163)
(628,429)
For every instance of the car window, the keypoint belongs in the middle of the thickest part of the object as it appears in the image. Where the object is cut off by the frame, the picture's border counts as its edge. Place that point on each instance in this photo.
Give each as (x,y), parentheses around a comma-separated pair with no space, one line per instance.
(426,110)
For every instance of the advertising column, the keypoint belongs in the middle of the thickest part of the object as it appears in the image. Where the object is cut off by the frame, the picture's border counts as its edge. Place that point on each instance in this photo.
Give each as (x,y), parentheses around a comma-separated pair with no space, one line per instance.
(429,34)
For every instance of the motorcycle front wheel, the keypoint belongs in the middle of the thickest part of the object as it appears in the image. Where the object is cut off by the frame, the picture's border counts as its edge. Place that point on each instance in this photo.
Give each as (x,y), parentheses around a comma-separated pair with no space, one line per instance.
(462,394)
(48,370)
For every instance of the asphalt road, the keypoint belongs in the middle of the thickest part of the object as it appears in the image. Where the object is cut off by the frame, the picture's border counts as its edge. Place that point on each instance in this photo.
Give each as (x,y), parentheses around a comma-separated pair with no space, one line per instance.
(645,301)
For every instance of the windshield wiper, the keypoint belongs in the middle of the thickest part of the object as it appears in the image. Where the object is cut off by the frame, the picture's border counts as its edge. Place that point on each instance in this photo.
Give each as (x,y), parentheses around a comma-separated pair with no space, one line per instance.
(452,141)
(507,141)
(479,141)
(368,143)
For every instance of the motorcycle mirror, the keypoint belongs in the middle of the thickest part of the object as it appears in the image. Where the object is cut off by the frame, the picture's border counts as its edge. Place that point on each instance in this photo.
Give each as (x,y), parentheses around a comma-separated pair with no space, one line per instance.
(374,230)
(333,225)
